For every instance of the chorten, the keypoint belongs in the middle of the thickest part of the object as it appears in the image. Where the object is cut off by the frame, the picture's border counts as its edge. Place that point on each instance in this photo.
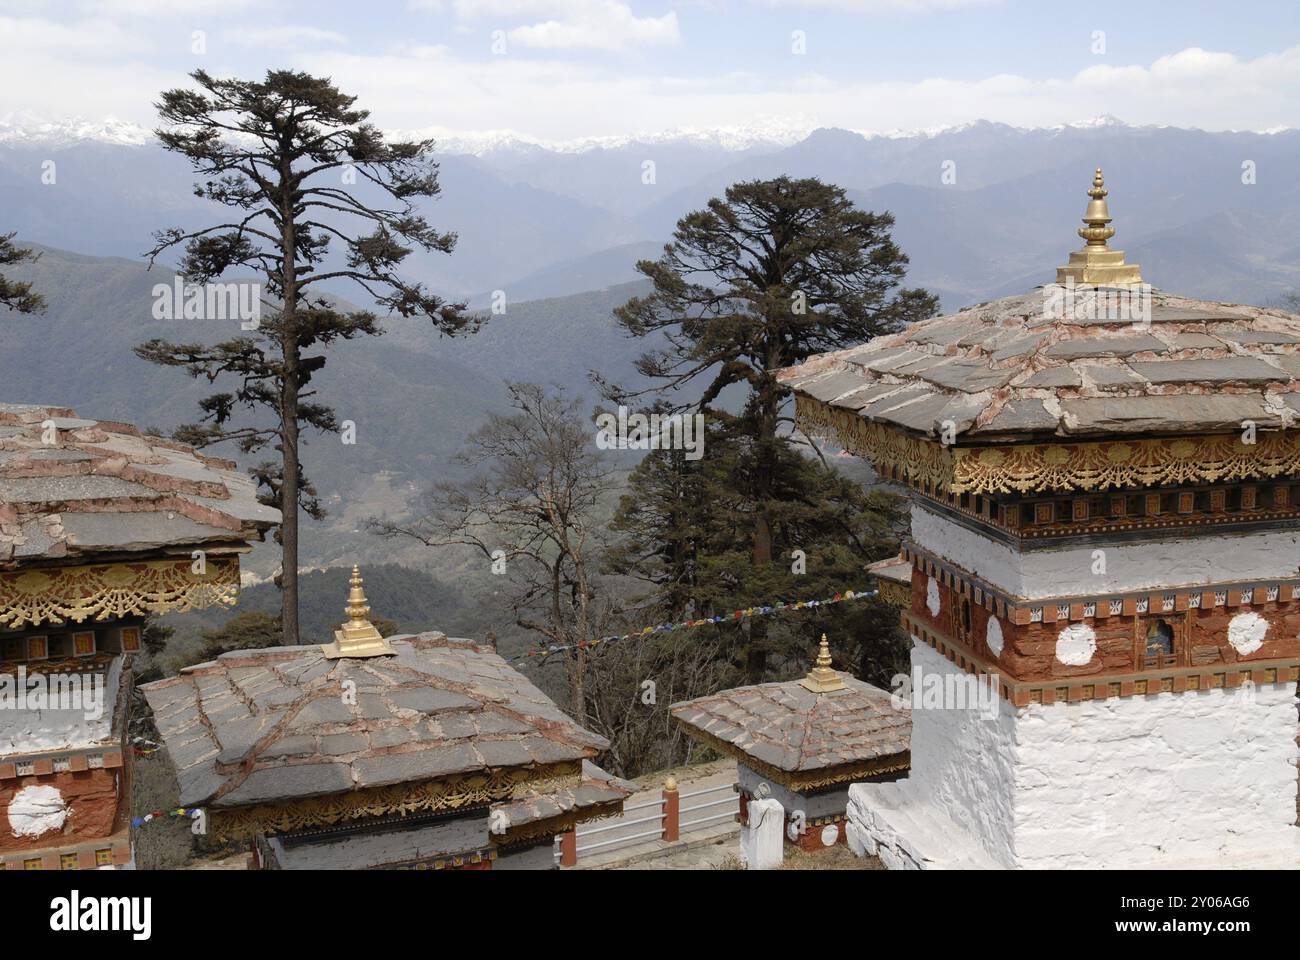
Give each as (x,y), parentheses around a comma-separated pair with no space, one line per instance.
(1105,517)
(101,527)
(409,752)
(802,743)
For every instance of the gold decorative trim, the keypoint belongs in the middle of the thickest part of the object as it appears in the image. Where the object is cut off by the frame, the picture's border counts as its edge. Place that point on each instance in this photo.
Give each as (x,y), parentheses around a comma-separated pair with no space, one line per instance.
(1033,468)
(401,799)
(894,453)
(895,594)
(801,781)
(560,823)
(107,591)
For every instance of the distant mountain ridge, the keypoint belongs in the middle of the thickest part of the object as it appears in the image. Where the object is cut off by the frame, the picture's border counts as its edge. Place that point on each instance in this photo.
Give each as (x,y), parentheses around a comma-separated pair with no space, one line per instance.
(980,208)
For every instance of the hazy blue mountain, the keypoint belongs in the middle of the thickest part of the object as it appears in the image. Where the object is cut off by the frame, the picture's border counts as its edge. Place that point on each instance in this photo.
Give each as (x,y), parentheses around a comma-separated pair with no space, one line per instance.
(538,223)
(595,271)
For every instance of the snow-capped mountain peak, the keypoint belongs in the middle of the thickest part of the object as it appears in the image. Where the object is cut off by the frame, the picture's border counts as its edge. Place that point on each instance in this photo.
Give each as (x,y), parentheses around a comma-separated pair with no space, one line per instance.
(25,129)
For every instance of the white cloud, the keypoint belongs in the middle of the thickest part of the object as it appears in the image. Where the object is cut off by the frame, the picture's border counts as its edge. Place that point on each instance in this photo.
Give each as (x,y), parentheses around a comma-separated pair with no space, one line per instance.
(157,9)
(605,26)
(62,67)
(560,99)
(283,37)
(87,38)
(566,24)
(881,6)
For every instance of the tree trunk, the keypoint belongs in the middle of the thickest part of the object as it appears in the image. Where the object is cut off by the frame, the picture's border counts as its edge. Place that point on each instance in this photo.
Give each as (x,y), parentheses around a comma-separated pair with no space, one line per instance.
(577,688)
(765,469)
(289,502)
(289,428)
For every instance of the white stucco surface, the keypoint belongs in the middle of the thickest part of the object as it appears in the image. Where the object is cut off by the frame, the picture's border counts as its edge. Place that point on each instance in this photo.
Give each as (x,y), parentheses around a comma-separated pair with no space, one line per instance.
(1076,644)
(993,636)
(1153,563)
(1246,632)
(36,810)
(34,731)
(1202,778)
(762,844)
(932,599)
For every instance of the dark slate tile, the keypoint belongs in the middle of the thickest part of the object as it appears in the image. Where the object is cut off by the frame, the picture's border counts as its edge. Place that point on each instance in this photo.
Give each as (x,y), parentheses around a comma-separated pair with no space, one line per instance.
(1125,346)
(285,781)
(437,761)
(503,753)
(431,699)
(1222,370)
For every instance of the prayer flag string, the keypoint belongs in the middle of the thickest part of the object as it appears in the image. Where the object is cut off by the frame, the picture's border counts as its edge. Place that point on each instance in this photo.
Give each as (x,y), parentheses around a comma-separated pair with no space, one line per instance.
(744,614)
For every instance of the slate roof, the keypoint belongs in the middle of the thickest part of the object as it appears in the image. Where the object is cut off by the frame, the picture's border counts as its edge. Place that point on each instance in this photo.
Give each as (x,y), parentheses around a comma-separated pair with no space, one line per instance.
(405,843)
(1009,369)
(894,569)
(102,488)
(787,726)
(267,725)
(597,788)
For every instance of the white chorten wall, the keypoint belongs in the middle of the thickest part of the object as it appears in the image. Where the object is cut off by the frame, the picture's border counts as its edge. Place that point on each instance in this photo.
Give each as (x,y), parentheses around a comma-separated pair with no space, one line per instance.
(1064,571)
(961,762)
(1202,778)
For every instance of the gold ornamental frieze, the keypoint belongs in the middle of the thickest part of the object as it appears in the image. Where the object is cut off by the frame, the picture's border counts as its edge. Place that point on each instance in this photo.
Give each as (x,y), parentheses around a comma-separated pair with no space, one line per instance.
(1043,467)
(397,800)
(105,591)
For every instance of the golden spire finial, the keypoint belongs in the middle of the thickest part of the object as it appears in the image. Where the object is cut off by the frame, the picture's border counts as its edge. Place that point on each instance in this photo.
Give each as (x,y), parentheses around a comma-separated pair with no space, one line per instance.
(821,678)
(358,636)
(1097,216)
(1097,264)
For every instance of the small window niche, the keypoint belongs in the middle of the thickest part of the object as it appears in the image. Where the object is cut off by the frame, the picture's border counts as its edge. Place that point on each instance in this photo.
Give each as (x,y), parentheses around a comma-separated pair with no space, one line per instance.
(1160,642)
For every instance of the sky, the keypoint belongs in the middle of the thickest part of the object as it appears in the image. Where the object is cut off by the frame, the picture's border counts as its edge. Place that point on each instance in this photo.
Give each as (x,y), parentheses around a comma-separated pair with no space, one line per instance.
(562,70)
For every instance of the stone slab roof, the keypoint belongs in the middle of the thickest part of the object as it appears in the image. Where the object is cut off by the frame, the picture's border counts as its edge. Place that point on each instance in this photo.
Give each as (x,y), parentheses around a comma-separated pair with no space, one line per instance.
(406,843)
(596,789)
(258,726)
(77,488)
(1013,369)
(786,726)
(894,569)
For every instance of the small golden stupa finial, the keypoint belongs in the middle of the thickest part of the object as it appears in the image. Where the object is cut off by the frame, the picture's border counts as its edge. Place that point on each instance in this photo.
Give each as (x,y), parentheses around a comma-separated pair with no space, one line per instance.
(1097,216)
(821,678)
(358,636)
(1097,264)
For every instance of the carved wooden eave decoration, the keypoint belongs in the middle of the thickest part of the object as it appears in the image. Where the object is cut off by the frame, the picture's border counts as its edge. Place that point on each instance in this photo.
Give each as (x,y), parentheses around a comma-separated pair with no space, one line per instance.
(534,830)
(105,591)
(446,794)
(1044,467)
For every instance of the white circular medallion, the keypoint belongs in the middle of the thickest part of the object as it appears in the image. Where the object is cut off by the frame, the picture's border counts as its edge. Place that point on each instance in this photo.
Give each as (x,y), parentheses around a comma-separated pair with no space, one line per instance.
(1246,632)
(932,597)
(830,833)
(37,810)
(993,636)
(1076,644)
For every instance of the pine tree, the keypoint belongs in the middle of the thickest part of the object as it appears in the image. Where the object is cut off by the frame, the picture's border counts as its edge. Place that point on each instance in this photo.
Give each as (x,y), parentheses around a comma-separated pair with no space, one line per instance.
(281,153)
(771,274)
(683,529)
(13,294)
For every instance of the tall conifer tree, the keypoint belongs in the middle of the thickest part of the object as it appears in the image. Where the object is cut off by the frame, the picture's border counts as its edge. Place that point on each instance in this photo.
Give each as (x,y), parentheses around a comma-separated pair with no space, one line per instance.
(298,166)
